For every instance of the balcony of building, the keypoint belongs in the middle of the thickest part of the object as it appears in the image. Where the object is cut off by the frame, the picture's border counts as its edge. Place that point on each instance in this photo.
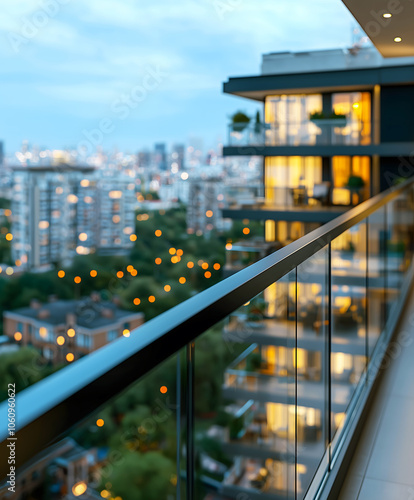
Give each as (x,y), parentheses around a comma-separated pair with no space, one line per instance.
(259,386)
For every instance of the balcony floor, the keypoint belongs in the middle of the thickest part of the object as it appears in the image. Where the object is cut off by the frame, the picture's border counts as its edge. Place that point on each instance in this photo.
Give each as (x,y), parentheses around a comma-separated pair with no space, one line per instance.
(382,465)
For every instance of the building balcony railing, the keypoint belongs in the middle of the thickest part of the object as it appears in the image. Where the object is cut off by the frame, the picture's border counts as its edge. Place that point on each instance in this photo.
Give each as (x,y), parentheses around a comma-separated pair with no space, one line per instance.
(327,132)
(146,407)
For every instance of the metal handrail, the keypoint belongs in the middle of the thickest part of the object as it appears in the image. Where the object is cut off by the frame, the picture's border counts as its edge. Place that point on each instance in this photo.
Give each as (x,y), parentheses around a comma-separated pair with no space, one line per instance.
(52,406)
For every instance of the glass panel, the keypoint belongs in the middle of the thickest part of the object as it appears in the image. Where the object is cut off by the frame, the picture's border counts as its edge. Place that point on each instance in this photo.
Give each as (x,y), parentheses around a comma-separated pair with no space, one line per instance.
(348,318)
(399,240)
(245,400)
(128,449)
(311,364)
(376,277)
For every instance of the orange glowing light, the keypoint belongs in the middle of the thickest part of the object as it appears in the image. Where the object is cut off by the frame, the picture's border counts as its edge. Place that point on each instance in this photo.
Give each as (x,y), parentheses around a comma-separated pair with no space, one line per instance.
(137,301)
(158,261)
(207,274)
(151,298)
(77,279)
(167,288)
(100,422)
(163,389)
(182,280)
(61,274)
(158,233)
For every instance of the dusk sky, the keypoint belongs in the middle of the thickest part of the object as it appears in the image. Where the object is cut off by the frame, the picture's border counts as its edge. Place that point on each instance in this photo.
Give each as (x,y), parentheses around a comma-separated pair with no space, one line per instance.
(64,72)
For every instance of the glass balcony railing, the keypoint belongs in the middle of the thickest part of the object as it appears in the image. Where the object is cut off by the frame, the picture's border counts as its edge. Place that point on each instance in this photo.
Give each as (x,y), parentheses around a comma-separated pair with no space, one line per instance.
(321,132)
(251,389)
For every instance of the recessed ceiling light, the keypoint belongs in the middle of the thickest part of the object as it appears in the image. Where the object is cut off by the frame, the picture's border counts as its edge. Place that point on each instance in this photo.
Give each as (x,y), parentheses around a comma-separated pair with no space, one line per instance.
(387,15)
(397,39)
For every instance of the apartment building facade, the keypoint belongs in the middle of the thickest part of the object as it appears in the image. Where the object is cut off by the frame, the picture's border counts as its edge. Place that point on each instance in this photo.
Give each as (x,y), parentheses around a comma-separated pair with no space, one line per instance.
(66,330)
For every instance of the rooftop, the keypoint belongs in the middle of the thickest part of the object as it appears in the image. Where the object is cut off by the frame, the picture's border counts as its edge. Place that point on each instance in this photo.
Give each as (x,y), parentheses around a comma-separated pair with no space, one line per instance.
(90,313)
(277,63)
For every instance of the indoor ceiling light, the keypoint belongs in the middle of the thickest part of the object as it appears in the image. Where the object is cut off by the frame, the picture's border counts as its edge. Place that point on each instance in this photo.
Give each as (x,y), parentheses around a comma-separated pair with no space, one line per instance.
(397,39)
(387,15)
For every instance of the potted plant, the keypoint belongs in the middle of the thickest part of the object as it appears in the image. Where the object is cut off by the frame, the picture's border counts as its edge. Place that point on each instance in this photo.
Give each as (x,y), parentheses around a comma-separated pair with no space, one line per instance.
(236,427)
(253,362)
(355,182)
(321,118)
(239,121)
(258,127)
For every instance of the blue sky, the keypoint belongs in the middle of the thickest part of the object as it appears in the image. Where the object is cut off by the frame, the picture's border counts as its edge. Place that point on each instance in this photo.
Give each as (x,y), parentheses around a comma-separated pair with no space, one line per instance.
(66,70)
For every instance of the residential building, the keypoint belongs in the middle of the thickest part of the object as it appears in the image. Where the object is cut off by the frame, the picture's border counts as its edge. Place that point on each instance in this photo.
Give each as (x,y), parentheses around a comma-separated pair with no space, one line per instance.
(332,133)
(64,210)
(61,471)
(44,216)
(69,329)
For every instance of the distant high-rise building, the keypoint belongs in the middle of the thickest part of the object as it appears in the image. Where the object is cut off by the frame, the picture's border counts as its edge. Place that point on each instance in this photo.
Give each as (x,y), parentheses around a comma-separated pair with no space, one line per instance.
(116,205)
(58,212)
(43,213)
(160,151)
(178,156)
(203,214)
(1,153)
(144,159)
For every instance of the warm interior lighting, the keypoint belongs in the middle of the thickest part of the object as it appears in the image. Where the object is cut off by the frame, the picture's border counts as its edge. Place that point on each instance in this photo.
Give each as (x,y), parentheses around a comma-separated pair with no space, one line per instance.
(60,340)
(71,332)
(397,39)
(387,15)
(126,333)
(79,489)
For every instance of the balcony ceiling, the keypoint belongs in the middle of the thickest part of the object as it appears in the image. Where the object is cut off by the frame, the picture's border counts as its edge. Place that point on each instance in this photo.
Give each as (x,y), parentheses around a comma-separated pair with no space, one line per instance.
(382,31)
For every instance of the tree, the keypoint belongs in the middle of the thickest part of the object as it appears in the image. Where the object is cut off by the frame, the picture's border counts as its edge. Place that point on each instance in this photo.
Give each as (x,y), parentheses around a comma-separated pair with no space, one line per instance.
(143,476)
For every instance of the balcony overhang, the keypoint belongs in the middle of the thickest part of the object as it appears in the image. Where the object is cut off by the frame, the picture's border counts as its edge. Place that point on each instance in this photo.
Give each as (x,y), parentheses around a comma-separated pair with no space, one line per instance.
(389,149)
(362,79)
(384,30)
(289,214)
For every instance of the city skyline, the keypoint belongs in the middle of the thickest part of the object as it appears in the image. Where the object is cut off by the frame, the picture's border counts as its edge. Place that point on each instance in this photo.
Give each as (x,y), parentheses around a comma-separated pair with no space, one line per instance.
(141,74)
